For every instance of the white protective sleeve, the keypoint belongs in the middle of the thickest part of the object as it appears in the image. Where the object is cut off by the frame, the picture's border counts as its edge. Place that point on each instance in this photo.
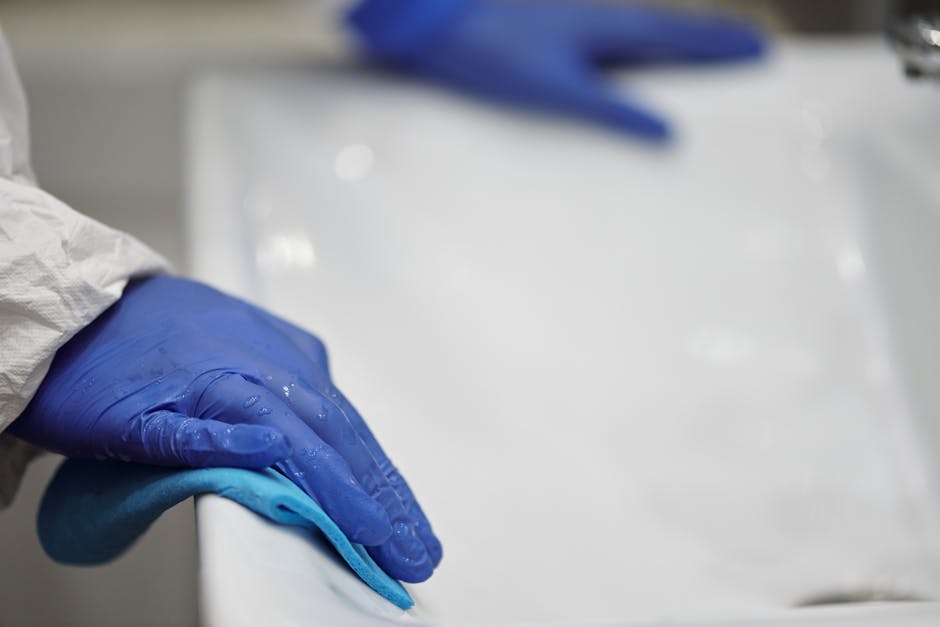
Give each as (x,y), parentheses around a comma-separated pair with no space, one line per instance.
(58,271)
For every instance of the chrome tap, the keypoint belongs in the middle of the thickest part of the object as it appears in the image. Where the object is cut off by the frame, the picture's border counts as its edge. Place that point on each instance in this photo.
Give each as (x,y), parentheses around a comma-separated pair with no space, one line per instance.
(914,33)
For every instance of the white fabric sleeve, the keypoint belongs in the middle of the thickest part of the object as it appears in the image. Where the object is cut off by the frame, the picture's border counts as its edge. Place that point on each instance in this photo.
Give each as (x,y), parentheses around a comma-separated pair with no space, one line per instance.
(59,270)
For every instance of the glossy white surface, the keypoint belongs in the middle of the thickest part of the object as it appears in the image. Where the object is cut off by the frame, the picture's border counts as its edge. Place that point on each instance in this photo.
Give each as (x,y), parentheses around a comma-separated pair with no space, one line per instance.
(628,384)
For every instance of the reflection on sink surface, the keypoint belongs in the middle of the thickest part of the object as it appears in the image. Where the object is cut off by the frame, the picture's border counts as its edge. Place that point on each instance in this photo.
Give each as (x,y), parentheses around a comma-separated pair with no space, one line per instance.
(628,384)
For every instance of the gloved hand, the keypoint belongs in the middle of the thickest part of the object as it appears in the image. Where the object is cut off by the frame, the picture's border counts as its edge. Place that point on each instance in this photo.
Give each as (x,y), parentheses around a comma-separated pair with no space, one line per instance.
(546,53)
(178,374)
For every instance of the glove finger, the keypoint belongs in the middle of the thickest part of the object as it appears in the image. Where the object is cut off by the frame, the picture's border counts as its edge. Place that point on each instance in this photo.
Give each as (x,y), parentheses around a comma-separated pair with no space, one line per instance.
(588,97)
(395,479)
(168,438)
(312,464)
(649,35)
(406,555)
(374,470)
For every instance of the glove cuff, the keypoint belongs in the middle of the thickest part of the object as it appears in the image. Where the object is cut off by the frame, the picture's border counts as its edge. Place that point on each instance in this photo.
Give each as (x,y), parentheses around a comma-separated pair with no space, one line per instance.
(402,31)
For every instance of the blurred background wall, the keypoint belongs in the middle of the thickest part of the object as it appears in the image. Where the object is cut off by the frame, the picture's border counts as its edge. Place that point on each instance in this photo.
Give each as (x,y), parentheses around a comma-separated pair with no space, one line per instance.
(106,82)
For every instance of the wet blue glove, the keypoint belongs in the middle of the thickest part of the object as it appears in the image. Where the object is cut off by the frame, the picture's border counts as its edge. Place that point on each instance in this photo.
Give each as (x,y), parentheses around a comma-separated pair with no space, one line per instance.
(545,53)
(178,374)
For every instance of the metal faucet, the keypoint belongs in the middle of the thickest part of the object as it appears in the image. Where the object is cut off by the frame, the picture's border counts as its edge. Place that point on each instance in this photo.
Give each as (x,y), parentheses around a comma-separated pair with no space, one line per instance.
(914,33)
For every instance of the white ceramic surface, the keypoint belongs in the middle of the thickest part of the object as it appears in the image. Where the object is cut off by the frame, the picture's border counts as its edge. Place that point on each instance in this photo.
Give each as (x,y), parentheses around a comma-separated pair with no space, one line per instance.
(628,384)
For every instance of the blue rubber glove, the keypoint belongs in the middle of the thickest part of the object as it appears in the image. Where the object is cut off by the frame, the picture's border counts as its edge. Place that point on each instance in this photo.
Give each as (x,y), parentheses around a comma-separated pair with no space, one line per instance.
(178,374)
(546,54)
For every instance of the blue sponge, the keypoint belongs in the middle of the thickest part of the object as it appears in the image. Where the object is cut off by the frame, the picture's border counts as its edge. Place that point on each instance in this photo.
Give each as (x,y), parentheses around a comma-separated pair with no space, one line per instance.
(93,511)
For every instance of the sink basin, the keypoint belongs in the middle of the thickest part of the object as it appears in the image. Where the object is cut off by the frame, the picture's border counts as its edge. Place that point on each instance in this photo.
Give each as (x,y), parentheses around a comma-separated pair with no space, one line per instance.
(629,384)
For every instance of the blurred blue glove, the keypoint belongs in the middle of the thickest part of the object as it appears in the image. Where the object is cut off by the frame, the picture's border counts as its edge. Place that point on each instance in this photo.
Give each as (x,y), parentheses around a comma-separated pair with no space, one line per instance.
(178,374)
(546,53)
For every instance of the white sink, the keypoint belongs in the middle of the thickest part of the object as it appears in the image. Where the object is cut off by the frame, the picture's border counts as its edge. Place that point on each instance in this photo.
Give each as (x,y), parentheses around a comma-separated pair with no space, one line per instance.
(628,384)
